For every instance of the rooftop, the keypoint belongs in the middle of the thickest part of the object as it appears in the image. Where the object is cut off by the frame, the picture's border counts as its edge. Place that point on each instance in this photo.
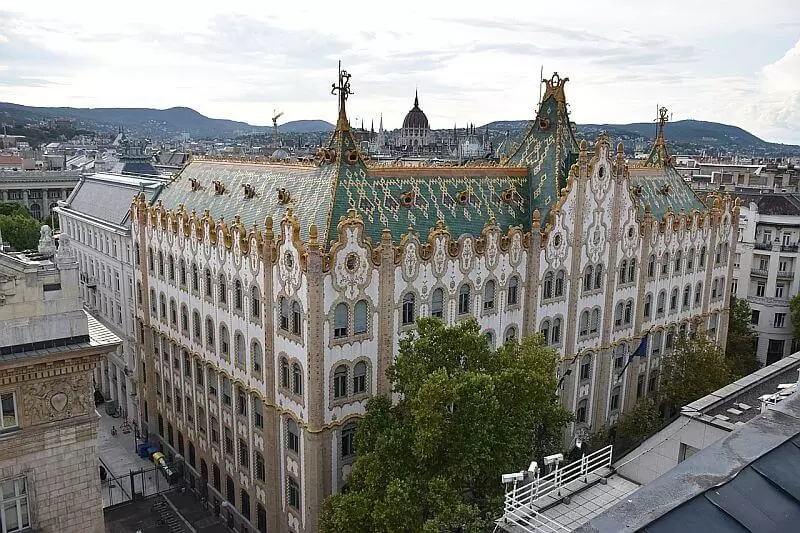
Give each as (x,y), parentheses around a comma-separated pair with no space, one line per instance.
(108,197)
(771,203)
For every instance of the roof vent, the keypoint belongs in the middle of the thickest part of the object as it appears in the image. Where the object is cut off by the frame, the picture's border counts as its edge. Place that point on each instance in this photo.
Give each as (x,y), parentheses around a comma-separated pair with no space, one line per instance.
(249,191)
(219,188)
(283,196)
(195,184)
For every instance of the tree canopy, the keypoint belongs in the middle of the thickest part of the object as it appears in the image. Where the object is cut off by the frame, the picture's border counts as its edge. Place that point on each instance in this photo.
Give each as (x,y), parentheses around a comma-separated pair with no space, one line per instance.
(740,347)
(18,228)
(466,414)
(794,315)
(694,368)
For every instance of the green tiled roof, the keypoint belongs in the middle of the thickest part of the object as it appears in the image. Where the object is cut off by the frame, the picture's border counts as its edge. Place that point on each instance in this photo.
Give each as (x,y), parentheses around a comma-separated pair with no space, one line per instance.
(677,194)
(464,198)
(309,189)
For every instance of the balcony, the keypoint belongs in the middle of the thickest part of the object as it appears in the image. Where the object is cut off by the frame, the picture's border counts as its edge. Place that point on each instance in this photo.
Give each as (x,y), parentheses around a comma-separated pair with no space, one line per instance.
(785,274)
(763,246)
(789,248)
(757,272)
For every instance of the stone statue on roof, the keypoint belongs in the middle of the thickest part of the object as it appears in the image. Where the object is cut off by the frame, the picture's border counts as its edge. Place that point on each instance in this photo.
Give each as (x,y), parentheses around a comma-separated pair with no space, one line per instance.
(47,246)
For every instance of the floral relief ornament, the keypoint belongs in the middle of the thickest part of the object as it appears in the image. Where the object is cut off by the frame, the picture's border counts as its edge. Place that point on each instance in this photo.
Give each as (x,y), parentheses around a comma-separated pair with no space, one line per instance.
(410,261)
(352,266)
(439,255)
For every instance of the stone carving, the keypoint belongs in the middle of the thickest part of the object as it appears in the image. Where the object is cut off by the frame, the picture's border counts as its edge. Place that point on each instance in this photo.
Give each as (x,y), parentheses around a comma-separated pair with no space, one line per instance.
(492,248)
(289,266)
(47,246)
(516,248)
(466,255)
(351,279)
(439,255)
(52,400)
(556,250)
(410,260)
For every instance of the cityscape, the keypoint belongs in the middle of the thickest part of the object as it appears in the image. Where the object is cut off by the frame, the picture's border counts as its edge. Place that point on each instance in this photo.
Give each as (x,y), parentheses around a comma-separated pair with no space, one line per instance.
(394,308)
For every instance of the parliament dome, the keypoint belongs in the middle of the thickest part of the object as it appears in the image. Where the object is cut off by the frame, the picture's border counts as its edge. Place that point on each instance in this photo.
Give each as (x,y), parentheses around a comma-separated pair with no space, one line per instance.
(416,117)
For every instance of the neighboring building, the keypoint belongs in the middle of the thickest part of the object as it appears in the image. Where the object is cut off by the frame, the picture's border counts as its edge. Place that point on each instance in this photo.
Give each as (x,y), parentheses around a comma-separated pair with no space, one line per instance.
(771,176)
(745,481)
(96,217)
(38,190)
(767,267)
(49,347)
(260,361)
(415,135)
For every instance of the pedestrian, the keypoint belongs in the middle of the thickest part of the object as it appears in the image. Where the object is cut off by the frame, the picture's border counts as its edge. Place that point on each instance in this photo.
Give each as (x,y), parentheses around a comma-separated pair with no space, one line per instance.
(113,431)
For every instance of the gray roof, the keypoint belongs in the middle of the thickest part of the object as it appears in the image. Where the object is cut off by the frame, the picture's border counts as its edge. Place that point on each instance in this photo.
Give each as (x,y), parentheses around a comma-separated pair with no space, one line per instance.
(748,481)
(770,203)
(309,189)
(108,197)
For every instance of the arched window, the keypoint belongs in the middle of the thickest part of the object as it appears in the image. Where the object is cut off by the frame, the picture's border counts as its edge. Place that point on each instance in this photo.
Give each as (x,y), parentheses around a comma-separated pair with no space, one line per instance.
(197,327)
(488,295)
(408,308)
(512,290)
(613,403)
(161,263)
(489,336)
(559,289)
(660,302)
(673,299)
(360,378)
(648,305)
(171,267)
(687,296)
(239,349)
(340,382)
(173,312)
(598,277)
(360,317)
(618,312)
(184,318)
(136,254)
(665,264)
(297,379)
(555,333)
(587,278)
(209,334)
(255,302)
(581,412)
(237,295)
(195,277)
(714,287)
(463,300)
(628,312)
(545,331)
(340,316)
(698,293)
(702,256)
(547,286)
(163,301)
(583,324)
(348,440)
(284,314)
(182,271)
(223,290)
(586,367)
(632,270)
(594,322)
(208,282)
(623,271)
(678,261)
(651,267)
(511,334)
(284,373)
(292,436)
(257,357)
(224,341)
(437,303)
(690,260)
(297,319)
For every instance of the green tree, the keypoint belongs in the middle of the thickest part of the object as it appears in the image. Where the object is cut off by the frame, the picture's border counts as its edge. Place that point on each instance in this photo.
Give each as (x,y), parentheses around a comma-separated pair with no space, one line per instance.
(19,231)
(695,367)
(794,314)
(14,208)
(641,421)
(466,415)
(740,346)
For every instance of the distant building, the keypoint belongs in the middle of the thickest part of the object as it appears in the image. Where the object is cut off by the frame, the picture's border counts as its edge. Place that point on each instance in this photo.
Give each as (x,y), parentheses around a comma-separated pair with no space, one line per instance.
(766,267)
(96,220)
(38,190)
(415,135)
(49,346)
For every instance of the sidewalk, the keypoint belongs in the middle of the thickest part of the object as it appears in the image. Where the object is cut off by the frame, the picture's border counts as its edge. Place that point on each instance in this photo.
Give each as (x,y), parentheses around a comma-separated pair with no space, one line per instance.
(118,455)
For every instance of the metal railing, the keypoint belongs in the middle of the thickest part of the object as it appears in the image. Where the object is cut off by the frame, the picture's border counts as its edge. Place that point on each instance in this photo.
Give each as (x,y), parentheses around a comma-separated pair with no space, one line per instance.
(521,499)
(758,272)
(532,522)
(785,274)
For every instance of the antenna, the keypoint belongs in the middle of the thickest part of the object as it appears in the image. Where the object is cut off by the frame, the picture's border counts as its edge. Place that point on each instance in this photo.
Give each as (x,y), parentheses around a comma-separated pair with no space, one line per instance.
(541,80)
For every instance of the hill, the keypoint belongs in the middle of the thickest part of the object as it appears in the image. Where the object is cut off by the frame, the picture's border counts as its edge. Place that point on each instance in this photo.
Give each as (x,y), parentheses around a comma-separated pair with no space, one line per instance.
(683,135)
(306,126)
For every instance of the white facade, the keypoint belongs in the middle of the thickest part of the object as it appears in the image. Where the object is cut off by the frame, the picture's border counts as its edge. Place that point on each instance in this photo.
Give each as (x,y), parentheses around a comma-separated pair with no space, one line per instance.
(104,251)
(765,273)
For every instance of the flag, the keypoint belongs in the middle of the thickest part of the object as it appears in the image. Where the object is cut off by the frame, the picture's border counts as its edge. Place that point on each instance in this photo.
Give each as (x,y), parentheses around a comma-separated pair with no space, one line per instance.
(640,351)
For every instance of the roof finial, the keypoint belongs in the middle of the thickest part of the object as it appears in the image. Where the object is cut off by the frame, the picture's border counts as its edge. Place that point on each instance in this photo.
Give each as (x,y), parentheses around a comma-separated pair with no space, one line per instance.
(659,156)
(344,91)
(416,97)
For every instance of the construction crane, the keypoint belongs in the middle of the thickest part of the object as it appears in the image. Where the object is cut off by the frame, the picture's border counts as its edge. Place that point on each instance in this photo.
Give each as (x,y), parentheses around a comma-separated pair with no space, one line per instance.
(275,126)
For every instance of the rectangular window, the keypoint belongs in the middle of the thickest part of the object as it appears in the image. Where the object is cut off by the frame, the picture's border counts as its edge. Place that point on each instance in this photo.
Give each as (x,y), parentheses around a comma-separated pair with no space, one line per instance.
(640,386)
(9,419)
(754,316)
(294,494)
(780,320)
(737,257)
(761,288)
(779,290)
(14,512)
(228,441)
(734,286)
(775,350)
(261,471)
(244,454)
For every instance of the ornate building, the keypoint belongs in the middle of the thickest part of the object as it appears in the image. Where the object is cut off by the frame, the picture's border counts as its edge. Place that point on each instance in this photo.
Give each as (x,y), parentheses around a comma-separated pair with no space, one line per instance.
(49,347)
(415,135)
(302,279)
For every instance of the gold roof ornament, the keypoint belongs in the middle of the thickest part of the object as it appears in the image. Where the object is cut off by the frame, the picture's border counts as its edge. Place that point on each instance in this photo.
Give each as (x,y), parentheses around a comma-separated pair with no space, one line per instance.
(659,155)
(555,87)
(344,91)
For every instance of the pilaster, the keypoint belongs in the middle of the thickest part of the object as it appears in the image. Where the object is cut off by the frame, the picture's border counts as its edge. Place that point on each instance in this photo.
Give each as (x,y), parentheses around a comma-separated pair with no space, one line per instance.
(386,304)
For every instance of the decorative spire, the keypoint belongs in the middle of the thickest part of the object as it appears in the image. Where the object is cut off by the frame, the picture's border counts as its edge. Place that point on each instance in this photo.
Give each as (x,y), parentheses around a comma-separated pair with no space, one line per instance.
(555,87)
(344,91)
(416,97)
(380,128)
(659,155)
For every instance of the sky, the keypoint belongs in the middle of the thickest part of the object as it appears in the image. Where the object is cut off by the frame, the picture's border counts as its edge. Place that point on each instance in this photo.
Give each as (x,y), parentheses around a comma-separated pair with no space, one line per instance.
(730,61)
